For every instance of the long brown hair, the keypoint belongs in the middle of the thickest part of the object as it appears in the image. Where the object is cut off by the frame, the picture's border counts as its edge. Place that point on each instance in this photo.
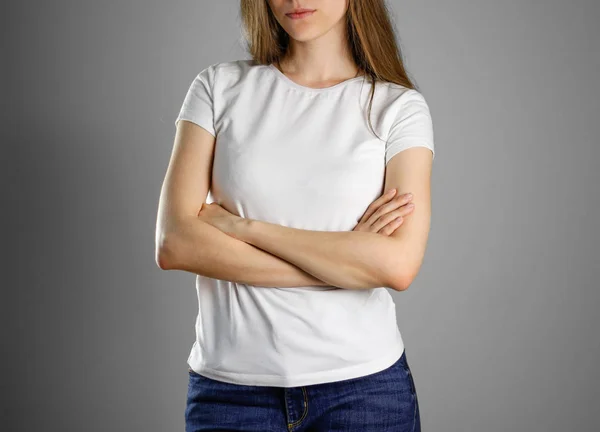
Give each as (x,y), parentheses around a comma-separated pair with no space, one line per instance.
(371,38)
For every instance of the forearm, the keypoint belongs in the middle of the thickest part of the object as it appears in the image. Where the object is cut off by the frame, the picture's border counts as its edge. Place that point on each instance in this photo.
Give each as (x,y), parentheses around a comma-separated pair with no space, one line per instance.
(200,248)
(346,259)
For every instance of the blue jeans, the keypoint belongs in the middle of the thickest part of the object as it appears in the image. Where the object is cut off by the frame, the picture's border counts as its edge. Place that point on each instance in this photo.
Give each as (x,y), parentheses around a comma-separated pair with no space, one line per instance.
(383,401)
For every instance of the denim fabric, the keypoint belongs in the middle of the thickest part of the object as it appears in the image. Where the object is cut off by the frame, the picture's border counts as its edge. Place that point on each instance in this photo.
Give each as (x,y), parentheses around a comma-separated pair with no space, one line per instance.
(383,401)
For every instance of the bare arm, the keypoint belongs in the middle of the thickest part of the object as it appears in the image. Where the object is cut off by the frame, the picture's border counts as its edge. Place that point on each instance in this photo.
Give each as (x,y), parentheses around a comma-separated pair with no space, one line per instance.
(347,259)
(200,248)
(183,242)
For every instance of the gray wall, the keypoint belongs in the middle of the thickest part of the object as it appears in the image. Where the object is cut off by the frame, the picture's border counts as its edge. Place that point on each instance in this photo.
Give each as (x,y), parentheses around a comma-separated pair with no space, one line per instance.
(501,323)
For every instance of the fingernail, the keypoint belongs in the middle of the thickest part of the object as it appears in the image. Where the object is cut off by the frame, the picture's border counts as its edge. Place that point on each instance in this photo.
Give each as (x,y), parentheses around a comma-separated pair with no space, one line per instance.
(392,192)
(409,195)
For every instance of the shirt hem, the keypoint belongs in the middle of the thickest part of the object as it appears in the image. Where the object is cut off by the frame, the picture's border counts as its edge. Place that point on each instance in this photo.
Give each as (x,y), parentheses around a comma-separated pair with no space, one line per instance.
(321,377)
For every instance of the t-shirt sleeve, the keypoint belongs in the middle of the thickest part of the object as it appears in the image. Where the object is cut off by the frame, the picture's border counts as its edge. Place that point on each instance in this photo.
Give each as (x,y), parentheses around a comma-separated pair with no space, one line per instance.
(412,126)
(198,105)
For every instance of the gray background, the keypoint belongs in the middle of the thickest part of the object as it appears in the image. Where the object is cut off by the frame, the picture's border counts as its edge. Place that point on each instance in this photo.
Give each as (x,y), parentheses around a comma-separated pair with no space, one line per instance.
(500,325)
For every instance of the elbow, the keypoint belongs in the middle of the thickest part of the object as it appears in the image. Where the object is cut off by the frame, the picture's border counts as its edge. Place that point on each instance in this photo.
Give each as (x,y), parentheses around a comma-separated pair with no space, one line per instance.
(165,253)
(172,245)
(162,260)
(402,269)
(398,283)
(401,279)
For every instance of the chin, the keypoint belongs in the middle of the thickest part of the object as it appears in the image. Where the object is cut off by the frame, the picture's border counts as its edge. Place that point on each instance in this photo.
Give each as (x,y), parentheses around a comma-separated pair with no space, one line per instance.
(305,34)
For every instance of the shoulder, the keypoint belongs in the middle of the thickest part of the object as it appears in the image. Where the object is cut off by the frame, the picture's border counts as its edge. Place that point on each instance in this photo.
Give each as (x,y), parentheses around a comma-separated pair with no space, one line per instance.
(399,97)
(403,105)
(231,70)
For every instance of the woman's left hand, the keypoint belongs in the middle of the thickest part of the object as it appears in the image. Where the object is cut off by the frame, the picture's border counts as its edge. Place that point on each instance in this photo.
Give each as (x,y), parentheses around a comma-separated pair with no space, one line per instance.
(219,217)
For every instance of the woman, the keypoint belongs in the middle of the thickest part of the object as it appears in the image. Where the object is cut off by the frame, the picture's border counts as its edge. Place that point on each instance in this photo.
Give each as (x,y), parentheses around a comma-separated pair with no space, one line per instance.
(296,330)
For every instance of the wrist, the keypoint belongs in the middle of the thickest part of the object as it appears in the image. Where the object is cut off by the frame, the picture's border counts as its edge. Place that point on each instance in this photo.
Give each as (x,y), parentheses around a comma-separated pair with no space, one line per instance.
(241,228)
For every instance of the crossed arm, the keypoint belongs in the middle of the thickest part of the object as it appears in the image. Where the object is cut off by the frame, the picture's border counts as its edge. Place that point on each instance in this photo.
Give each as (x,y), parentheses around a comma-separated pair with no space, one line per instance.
(346,259)
(270,255)
(198,247)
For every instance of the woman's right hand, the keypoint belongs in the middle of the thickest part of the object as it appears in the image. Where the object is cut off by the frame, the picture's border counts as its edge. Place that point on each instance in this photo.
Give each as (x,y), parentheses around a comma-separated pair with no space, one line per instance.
(386,213)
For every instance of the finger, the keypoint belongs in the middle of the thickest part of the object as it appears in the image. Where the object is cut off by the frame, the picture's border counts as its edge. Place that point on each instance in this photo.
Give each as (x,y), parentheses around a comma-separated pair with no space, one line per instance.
(391,216)
(392,226)
(388,207)
(377,203)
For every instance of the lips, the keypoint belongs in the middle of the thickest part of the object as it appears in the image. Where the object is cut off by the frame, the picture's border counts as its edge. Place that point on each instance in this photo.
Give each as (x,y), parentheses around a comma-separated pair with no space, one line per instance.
(300,13)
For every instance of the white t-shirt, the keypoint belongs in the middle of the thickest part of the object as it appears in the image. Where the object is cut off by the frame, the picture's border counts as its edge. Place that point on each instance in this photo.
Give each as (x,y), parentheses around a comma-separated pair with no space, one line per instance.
(304,158)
